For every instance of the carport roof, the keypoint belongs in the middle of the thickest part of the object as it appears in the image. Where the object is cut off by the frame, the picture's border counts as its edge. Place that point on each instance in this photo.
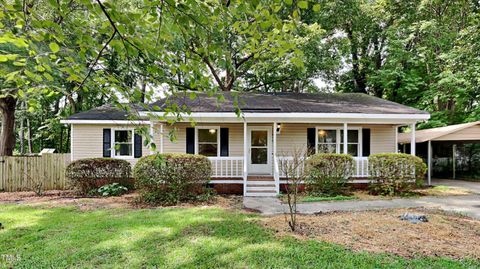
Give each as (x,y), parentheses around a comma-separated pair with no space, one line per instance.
(437,133)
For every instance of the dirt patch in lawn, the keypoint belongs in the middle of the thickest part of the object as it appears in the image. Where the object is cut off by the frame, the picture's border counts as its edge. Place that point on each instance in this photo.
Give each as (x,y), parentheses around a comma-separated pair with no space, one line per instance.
(364,195)
(69,198)
(448,235)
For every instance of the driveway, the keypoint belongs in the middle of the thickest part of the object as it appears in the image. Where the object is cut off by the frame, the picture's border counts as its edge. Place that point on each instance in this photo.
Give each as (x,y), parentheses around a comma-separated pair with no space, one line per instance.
(472,186)
(468,205)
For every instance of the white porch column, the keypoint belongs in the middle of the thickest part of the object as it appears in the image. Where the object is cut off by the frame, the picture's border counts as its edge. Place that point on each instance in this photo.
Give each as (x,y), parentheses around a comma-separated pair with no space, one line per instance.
(454,160)
(161,138)
(71,142)
(395,129)
(245,158)
(151,137)
(274,139)
(275,163)
(429,163)
(345,138)
(413,143)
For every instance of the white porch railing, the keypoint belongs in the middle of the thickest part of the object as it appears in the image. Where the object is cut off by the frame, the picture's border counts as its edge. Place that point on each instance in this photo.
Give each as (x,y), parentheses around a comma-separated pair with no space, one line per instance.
(360,168)
(227,167)
(232,167)
(285,161)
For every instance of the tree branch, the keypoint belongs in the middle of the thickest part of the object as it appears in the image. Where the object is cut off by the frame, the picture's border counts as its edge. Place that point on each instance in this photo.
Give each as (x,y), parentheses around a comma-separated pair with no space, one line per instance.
(211,67)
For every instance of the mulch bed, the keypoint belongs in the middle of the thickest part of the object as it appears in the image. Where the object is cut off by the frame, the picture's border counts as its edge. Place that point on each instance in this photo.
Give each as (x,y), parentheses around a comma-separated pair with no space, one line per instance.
(70,198)
(445,234)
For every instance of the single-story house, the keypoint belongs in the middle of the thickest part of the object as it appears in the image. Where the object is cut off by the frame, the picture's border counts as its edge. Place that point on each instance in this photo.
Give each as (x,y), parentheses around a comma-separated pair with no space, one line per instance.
(448,151)
(245,149)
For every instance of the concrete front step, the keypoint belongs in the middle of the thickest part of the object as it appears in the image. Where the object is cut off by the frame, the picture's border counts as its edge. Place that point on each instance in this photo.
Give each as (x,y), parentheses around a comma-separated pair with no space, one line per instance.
(260,178)
(261,183)
(261,194)
(261,189)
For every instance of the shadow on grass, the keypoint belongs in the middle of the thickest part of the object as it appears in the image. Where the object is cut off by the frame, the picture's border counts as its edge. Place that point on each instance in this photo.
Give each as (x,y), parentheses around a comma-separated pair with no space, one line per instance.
(171,238)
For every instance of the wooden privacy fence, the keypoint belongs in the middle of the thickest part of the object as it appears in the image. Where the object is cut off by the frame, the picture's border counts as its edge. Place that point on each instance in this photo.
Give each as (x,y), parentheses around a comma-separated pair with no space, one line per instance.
(25,173)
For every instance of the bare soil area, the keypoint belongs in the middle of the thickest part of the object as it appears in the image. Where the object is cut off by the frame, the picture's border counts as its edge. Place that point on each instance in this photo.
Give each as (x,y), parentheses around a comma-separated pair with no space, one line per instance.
(69,198)
(382,231)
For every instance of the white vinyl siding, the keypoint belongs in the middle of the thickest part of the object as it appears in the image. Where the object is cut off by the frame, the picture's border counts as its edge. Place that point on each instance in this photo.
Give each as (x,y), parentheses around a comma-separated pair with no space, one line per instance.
(87,141)
(88,138)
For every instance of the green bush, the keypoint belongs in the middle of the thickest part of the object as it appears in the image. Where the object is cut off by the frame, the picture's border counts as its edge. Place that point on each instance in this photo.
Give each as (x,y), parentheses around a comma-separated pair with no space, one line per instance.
(172,178)
(328,173)
(395,173)
(88,175)
(114,189)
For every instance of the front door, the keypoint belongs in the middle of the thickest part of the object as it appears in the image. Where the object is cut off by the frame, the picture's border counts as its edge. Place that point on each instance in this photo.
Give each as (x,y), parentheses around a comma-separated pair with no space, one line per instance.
(260,157)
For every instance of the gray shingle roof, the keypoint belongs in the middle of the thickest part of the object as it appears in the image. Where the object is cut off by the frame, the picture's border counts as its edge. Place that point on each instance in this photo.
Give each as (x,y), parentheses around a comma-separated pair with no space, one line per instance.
(291,103)
(265,103)
(105,112)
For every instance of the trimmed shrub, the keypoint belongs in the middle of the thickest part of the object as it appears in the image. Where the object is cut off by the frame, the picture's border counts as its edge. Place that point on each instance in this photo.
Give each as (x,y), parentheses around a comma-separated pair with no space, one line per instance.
(88,175)
(395,173)
(171,178)
(328,173)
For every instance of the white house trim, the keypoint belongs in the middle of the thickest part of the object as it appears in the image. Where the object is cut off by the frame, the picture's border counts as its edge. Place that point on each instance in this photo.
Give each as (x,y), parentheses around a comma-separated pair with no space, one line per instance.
(142,122)
(338,137)
(112,141)
(72,154)
(287,117)
(207,128)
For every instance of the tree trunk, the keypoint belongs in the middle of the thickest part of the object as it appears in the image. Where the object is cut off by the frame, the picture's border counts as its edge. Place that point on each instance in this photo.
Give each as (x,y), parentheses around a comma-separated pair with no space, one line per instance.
(359,80)
(7,137)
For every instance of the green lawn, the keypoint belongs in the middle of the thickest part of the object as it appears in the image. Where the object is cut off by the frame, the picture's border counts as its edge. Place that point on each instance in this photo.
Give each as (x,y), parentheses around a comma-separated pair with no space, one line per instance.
(64,237)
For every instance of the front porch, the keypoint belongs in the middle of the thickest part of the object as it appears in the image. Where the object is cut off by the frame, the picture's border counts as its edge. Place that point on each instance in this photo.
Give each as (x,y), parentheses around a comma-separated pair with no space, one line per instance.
(255,156)
(247,156)
(230,170)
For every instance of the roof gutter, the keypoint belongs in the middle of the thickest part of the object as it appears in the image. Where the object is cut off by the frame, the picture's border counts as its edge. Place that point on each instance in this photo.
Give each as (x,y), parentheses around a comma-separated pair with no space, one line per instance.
(295,117)
(137,122)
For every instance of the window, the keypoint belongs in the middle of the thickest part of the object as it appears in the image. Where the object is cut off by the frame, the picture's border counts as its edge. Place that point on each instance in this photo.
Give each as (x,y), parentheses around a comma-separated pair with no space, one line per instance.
(352,142)
(331,141)
(123,143)
(208,141)
(327,141)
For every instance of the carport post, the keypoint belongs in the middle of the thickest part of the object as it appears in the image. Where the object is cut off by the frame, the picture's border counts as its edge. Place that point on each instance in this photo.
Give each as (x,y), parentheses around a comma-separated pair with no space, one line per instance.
(454,149)
(413,140)
(429,163)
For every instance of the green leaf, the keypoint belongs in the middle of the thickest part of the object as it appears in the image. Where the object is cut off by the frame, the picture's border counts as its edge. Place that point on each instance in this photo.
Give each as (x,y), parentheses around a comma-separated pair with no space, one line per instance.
(302,4)
(54,47)
(48,76)
(316,8)
(289,2)
(3,58)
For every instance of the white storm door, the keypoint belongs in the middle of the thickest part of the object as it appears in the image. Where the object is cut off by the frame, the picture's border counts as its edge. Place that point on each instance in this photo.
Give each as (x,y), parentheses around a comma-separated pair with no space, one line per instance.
(260,156)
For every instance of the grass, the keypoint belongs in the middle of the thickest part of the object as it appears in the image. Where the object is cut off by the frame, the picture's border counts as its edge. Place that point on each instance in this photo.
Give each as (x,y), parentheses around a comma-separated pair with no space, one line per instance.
(65,237)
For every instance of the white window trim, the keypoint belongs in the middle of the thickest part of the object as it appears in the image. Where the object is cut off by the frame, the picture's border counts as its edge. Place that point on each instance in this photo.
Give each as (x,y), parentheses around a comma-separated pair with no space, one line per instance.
(112,139)
(218,137)
(338,130)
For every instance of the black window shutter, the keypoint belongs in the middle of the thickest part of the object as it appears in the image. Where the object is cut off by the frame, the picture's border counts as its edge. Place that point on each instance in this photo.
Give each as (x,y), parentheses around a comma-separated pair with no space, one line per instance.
(191,140)
(137,141)
(107,142)
(223,141)
(366,142)
(311,141)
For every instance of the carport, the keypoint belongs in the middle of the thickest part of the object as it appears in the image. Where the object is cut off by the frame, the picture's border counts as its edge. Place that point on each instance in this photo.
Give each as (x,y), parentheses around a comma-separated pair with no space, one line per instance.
(455,149)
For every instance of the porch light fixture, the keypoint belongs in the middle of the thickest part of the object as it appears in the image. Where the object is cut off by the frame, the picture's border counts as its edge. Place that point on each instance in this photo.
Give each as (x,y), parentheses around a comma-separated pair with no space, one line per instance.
(212,131)
(279,127)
